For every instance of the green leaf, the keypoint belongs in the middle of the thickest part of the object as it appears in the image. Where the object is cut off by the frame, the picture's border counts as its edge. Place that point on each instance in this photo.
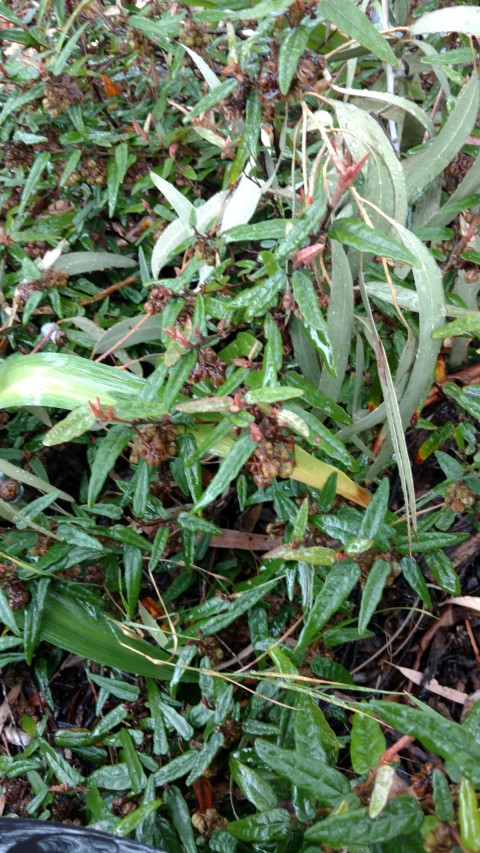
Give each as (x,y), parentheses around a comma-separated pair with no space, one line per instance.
(181,818)
(291,50)
(440,736)
(62,381)
(176,768)
(63,770)
(337,586)
(468,816)
(339,322)
(403,814)
(253,786)
(302,228)
(33,618)
(264,9)
(352,21)
(372,592)
(131,821)
(132,573)
(269,229)
(116,171)
(307,301)
(129,755)
(312,732)
(85,630)
(354,232)
(367,743)
(258,298)
(228,470)
(212,98)
(420,169)
(374,516)
(429,541)
(317,398)
(441,796)
(235,608)
(31,184)
(443,571)
(270,825)
(313,776)
(457,56)
(107,452)
(413,575)
(468,398)
(247,147)
(62,59)
(118,688)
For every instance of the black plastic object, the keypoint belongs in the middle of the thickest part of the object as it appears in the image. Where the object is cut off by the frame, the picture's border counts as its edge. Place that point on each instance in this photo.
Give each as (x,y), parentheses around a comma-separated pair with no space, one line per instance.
(38,836)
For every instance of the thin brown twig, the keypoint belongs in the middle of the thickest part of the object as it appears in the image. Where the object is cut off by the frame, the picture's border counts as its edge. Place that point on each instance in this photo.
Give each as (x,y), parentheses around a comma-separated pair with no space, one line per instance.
(108,290)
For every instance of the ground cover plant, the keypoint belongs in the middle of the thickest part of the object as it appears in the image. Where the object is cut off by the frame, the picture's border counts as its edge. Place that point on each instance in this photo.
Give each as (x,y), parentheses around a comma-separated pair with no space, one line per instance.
(239,402)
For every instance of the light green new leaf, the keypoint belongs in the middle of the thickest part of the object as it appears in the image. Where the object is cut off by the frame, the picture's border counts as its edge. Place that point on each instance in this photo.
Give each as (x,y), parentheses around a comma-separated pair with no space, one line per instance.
(352,21)
(420,169)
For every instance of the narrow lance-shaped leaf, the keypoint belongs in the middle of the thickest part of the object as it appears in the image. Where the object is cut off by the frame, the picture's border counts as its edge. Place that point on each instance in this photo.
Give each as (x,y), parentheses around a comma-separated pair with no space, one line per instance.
(354,232)
(229,468)
(291,50)
(351,20)
(338,584)
(401,815)
(420,169)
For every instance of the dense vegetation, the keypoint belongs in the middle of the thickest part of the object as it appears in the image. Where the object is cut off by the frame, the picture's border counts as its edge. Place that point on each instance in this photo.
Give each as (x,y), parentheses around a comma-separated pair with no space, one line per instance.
(239,402)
